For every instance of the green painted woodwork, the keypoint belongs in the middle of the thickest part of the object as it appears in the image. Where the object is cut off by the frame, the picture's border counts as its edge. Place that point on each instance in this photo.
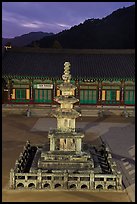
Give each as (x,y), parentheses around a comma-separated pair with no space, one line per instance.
(20,94)
(111,87)
(111,97)
(130,88)
(41,81)
(130,83)
(72,81)
(21,86)
(16,81)
(129,97)
(25,81)
(20,100)
(46,81)
(88,83)
(42,96)
(112,81)
(88,96)
(88,87)
(59,81)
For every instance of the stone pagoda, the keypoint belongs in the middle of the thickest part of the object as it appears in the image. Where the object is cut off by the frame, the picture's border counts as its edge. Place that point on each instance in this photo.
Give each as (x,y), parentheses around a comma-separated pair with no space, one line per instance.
(65,141)
(67,164)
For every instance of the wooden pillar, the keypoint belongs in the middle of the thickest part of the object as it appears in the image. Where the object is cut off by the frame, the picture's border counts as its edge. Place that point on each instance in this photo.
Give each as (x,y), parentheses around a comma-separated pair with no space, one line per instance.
(54,90)
(122,92)
(31,91)
(9,90)
(77,91)
(99,92)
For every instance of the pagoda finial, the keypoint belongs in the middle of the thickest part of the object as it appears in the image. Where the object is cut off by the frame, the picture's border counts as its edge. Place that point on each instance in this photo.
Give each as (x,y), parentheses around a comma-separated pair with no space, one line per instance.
(66,76)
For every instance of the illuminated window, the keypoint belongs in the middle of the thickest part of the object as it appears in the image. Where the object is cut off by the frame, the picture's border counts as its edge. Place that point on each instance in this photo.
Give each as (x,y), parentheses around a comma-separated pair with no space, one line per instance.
(58,92)
(103,95)
(117,95)
(27,94)
(13,94)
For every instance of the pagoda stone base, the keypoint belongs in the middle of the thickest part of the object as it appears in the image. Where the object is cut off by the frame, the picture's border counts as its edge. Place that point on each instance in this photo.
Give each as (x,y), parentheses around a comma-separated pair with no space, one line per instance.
(79,173)
(61,160)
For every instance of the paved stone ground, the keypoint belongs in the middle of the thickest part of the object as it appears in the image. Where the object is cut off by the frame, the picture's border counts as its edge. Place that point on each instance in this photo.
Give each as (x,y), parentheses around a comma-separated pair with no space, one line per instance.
(16,130)
(121,141)
(120,138)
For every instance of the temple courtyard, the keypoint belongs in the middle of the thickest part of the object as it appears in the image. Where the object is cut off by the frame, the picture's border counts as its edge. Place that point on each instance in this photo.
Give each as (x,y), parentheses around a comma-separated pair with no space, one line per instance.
(118,132)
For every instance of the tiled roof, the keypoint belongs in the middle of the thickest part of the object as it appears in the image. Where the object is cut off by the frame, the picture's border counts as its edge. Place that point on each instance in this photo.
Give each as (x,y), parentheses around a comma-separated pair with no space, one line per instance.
(89,64)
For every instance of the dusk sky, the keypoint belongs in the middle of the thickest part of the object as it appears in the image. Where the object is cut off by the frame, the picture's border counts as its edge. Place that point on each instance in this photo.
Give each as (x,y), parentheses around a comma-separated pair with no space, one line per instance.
(19,18)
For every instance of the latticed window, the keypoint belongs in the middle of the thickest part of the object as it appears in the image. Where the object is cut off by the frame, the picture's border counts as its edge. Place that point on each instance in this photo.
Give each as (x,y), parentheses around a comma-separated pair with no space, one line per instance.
(81,95)
(129,97)
(36,94)
(43,95)
(88,96)
(20,93)
(108,95)
(111,96)
(49,94)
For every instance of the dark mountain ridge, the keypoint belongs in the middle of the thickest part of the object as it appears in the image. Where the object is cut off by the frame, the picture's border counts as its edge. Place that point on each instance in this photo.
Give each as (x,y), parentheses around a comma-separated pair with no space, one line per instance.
(116,31)
(25,39)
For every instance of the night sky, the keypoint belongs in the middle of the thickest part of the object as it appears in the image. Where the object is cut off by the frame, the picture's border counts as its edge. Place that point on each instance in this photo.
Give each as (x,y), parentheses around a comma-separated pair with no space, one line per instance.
(19,18)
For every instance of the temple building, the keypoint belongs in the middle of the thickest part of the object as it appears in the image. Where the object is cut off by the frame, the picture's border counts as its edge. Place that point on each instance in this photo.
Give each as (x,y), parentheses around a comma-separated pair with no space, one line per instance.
(68,164)
(102,77)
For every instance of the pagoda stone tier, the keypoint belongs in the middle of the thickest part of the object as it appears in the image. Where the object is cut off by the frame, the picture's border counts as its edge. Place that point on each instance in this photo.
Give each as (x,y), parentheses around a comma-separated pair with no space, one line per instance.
(65,141)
